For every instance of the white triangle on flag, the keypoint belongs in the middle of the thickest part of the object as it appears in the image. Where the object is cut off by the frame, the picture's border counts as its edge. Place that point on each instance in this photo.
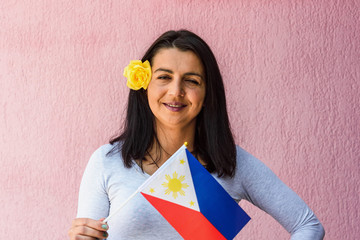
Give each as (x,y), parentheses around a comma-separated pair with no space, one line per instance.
(174,183)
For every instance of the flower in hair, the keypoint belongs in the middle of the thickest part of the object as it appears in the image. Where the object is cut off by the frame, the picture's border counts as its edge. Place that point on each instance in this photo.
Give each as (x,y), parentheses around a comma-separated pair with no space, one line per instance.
(138,74)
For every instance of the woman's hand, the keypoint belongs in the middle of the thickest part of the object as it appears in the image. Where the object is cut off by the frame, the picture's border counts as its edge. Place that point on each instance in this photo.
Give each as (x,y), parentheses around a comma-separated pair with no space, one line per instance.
(86,229)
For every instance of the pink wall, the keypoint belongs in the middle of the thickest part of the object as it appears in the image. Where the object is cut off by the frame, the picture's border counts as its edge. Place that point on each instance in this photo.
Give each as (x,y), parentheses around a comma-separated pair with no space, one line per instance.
(291,72)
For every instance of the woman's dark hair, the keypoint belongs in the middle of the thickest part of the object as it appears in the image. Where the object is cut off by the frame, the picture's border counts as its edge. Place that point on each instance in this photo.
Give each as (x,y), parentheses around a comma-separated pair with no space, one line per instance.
(214,142)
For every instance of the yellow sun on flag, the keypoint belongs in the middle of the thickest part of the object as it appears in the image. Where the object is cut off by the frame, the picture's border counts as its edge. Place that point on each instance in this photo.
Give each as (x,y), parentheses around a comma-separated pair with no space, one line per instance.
(175,185)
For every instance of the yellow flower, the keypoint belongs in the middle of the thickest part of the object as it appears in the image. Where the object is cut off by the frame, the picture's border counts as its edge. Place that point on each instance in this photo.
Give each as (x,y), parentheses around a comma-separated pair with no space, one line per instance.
(138,74)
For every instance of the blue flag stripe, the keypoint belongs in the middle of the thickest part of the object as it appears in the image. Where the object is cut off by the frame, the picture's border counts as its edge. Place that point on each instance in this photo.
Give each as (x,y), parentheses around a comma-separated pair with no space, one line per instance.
(214,202)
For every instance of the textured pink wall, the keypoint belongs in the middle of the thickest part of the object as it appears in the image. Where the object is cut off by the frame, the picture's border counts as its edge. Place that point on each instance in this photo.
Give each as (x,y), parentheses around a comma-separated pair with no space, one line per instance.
(291,71)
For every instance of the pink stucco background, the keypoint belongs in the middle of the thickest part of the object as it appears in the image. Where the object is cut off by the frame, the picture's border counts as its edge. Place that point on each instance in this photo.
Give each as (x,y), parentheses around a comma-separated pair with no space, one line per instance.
(291,72)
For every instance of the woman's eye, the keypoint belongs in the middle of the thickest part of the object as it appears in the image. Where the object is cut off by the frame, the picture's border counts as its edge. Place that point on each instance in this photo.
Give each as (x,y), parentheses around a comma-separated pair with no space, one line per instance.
(192,82)
(164,77)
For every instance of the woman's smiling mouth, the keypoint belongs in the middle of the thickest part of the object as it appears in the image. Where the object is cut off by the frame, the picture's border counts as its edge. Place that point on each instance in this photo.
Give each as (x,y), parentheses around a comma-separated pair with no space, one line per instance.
(175,106)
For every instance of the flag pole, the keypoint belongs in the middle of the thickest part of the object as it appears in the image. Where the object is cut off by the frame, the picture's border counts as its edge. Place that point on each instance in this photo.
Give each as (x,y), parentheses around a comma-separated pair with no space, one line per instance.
(142,186)
(120,207)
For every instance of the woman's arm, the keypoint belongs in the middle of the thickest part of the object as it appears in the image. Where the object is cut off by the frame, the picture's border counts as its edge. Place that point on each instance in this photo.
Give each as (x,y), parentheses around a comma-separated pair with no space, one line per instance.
(93,198)
(93,202)
(265,190)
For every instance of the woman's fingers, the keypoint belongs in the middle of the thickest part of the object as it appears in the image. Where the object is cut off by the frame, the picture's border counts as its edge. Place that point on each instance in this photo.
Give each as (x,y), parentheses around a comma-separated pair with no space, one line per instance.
(85,228)
(96,224)
(88,232)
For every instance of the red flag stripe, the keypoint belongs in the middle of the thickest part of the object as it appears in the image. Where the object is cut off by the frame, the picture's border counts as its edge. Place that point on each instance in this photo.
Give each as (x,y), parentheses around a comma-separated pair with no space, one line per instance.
(190,224)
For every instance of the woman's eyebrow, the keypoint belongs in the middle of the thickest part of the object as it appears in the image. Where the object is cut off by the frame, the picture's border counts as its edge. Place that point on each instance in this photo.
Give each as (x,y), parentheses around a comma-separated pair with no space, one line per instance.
(163,70)
(186,74)
(195,74)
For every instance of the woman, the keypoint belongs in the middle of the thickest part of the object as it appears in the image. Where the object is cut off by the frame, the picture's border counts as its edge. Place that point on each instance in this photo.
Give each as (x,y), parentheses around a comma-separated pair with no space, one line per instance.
(184,101)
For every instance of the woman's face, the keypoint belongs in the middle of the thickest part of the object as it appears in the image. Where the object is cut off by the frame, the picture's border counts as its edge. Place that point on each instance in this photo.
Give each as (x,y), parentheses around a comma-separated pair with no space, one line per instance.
(176,91)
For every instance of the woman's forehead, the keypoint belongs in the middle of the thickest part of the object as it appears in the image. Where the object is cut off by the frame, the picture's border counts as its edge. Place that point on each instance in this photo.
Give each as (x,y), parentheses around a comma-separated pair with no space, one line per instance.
(177,60)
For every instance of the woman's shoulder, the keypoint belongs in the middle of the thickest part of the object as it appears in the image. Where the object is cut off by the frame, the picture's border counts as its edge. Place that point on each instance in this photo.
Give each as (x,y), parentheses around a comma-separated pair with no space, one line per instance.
(243,156)
(108,150)
(103,149)
(247,162)
(241,152)
(105,156)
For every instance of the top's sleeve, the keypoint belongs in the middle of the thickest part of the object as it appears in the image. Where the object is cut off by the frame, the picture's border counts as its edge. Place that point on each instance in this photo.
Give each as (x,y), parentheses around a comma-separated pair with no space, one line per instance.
(93,199)
(265,190)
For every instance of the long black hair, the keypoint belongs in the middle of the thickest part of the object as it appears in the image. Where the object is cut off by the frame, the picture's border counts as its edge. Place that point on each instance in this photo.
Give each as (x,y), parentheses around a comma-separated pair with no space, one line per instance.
(214,142)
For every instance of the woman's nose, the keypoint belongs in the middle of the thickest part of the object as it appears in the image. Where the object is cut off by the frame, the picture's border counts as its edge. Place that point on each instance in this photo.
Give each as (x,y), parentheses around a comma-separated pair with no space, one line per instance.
(176,88)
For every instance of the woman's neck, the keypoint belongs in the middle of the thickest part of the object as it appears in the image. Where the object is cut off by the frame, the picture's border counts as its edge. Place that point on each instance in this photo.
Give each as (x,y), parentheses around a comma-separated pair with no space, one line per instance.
(169,140)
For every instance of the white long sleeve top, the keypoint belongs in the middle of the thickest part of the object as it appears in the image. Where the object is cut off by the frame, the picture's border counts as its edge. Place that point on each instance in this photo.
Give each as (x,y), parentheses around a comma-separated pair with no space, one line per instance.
(106,184)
